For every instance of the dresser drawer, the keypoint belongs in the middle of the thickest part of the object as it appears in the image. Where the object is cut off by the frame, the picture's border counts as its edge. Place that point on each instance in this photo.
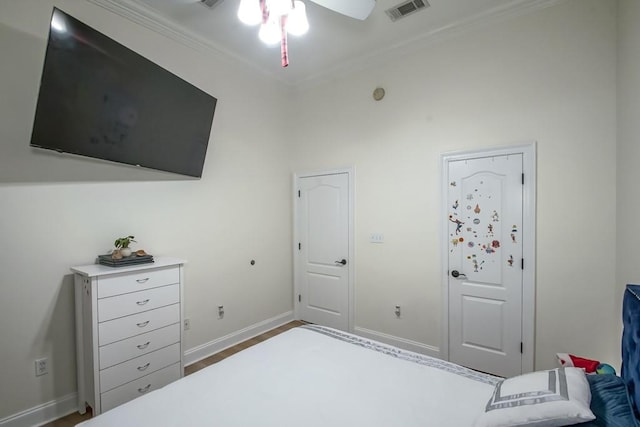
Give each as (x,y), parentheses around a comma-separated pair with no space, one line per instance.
(136,281)
(136,302)
(117,375)
(136,324)
(139,345)
(139,387)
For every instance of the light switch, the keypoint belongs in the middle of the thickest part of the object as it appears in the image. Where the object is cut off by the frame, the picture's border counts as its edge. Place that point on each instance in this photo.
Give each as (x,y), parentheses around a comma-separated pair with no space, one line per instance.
(376,238)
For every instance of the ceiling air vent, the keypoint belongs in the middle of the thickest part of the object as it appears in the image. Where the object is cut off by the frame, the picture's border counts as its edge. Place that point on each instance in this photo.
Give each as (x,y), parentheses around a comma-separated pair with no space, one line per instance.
(211,3)
(406,8)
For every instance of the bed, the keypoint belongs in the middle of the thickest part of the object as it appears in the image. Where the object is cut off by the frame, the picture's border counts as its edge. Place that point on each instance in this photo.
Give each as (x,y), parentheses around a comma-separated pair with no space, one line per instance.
(316,376)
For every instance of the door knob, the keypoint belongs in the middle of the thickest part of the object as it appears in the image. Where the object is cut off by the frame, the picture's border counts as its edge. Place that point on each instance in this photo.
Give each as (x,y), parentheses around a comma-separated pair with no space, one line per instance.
(455,274)
(343,262)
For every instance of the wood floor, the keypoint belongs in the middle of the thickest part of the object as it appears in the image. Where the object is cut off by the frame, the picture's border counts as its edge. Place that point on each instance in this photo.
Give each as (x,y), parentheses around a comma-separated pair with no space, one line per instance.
(75,418)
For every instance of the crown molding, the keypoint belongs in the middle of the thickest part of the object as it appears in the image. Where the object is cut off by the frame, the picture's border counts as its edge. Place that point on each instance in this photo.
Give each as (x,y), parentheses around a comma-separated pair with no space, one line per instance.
(395,52)
(143,15)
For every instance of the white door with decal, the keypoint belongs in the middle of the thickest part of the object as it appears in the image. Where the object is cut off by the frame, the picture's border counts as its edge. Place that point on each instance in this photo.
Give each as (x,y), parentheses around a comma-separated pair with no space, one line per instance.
(485,276)
(322,258)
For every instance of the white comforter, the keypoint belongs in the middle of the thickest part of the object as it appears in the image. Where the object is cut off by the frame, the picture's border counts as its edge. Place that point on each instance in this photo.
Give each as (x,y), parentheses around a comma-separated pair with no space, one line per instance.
(313,376)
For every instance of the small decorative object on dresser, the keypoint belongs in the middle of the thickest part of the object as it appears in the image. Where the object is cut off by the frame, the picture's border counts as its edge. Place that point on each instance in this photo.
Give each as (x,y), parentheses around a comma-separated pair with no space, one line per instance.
(129,339)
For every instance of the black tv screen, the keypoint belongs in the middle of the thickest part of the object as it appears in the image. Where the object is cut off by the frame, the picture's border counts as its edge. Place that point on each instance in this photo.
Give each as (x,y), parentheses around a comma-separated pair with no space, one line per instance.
(100,99)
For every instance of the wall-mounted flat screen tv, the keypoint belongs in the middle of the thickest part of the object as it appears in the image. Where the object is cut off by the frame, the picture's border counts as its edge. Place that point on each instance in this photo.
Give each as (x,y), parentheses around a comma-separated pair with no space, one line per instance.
(100,99)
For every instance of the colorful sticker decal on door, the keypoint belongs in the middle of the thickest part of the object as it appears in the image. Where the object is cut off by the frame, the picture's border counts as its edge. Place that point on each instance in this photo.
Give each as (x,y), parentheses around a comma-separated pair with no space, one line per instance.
(474,260)
(482,226)
(491,248)
(510,261)
(453,183)
(457,222)
(455,242)
(514,230)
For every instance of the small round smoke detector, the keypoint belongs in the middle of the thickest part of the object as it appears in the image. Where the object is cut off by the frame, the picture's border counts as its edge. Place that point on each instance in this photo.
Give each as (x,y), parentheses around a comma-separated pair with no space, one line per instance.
(378,93)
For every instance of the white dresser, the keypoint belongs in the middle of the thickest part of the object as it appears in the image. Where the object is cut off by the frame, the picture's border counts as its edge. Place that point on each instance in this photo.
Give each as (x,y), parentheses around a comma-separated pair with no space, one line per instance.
(128,331)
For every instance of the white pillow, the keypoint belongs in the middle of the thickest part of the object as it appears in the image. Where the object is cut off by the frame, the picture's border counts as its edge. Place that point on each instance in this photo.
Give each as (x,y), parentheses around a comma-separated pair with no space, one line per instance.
(558,397)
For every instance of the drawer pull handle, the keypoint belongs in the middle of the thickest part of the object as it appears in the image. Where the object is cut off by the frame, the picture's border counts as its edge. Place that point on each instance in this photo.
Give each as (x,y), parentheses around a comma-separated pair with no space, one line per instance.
(143,367)
(142,302)
(144,389)
(145,280)
(143,346)
(142,324)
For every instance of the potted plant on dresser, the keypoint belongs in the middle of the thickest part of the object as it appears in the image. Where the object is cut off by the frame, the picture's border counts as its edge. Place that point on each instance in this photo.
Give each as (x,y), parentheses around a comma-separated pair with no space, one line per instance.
(122,246)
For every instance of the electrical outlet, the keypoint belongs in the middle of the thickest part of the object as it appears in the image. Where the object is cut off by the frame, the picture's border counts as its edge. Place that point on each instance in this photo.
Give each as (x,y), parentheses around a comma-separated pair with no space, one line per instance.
(220,311)
(187,324)
(42,366)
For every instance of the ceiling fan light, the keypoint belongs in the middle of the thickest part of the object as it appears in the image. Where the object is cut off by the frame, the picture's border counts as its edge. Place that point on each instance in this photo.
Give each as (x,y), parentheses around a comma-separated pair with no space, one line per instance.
(270,33)
(297,22)
(249,12)
(58,24)
(280,7)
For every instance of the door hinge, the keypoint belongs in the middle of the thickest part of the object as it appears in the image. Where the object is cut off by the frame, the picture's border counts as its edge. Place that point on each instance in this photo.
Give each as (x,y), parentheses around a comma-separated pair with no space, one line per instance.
(299,246)
(522,263)
(298,193)
(521,348)
(522,179)
(299,298)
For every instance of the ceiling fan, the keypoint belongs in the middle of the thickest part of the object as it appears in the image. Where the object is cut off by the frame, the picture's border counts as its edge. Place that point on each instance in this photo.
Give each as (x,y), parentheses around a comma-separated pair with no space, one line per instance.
(277,18)
(357,9)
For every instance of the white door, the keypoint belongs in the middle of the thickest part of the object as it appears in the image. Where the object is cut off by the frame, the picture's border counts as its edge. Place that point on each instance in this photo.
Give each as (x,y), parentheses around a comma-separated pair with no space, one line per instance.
(485,233)
(322,252)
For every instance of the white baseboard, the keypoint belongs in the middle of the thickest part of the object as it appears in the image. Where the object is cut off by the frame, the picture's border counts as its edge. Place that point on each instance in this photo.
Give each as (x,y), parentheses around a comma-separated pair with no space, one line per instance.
(403,343)
(44,413)
(203,351)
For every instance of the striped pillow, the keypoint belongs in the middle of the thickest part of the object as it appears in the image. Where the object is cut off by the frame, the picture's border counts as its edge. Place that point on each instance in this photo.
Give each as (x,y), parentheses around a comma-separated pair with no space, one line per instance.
(558,397)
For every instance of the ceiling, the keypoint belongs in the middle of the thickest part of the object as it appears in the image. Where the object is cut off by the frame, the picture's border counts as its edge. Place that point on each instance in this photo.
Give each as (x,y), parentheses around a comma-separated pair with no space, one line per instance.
(334,42)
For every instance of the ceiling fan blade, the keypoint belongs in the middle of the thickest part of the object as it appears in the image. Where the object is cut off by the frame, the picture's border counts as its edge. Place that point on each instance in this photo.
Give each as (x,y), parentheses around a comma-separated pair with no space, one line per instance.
(358,9)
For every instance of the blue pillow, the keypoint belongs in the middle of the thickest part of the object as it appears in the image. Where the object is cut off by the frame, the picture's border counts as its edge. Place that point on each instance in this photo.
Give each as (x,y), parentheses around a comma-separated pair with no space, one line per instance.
(631,344)
(610,402)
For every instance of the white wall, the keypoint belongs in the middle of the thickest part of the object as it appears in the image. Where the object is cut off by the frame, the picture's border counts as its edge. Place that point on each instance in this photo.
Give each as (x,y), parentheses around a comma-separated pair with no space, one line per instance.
(57,211)
(548,76)
(628,226)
